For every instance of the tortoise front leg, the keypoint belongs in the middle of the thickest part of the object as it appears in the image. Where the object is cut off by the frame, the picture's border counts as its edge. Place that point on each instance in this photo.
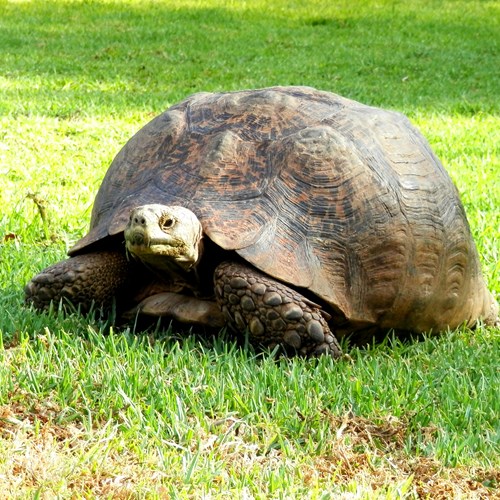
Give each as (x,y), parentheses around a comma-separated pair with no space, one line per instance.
(272,312)
(84,280)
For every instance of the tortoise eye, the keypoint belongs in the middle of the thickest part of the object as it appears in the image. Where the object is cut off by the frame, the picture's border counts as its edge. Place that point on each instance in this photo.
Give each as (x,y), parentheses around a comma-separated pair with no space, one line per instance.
(166,222)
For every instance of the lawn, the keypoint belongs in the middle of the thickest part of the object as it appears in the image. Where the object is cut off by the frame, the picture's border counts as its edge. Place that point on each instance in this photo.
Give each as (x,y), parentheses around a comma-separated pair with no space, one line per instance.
(88,410)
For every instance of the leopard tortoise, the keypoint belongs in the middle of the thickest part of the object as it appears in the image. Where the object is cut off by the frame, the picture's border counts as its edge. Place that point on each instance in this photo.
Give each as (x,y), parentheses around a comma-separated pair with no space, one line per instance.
(293,215)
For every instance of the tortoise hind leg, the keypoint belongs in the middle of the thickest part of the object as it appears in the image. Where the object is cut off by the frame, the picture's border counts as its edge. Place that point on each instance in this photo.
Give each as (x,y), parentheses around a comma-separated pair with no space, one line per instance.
(272,312)
(84,280)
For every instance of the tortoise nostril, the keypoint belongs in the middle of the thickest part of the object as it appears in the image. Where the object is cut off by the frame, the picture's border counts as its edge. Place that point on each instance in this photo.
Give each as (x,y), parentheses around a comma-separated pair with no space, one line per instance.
(140,221)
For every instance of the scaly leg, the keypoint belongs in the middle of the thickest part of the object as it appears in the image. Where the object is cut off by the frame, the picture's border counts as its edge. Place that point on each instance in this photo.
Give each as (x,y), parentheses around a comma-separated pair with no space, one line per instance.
(272,312)
(85,280)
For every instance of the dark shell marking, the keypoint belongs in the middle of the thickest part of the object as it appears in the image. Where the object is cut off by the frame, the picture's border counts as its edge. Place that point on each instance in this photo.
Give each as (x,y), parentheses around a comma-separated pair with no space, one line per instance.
(319,191)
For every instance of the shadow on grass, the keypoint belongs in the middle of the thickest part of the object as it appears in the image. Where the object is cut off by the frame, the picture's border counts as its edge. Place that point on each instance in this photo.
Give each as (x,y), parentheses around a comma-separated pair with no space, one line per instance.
(63,59)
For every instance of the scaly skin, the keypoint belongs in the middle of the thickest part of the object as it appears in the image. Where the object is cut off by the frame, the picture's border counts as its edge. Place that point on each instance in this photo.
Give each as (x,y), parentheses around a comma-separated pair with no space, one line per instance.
(84,280)
(272,312)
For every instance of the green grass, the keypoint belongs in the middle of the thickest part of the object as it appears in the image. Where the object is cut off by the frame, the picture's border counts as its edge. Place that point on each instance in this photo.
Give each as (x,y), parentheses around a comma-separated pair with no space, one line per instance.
(86,412)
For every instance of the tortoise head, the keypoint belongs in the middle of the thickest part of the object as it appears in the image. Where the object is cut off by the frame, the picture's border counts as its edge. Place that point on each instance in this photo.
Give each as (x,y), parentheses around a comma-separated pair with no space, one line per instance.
(162,236)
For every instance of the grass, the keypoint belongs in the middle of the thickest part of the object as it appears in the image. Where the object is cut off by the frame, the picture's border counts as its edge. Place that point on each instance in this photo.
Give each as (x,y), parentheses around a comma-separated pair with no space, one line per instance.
(89,412)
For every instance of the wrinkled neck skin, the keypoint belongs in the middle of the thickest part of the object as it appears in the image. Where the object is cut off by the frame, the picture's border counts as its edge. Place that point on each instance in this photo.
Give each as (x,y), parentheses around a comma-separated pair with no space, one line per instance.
(171,271)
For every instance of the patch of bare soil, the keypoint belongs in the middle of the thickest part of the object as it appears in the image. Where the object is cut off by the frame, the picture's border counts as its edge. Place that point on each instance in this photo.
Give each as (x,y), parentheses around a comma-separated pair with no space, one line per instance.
(37,455)
(372,454)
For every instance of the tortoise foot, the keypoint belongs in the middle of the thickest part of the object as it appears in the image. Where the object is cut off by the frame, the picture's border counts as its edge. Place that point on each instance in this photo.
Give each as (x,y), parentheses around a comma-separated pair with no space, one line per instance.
(84,280)
(271,312)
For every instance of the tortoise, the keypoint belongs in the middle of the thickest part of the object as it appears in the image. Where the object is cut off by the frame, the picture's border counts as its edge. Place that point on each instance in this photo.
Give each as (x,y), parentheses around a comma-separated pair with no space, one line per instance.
(292,215)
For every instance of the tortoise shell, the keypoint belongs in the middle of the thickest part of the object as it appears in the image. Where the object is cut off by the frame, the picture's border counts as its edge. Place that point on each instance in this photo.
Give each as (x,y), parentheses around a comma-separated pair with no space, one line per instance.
(321,192)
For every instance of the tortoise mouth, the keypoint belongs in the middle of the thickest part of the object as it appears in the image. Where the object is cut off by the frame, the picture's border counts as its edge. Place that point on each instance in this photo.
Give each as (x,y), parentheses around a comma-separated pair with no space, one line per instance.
(157,252)
(141,239)
(137,239)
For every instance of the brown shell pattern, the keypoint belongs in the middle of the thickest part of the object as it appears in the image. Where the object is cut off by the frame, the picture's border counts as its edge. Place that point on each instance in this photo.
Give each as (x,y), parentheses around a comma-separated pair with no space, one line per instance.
(319,191)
